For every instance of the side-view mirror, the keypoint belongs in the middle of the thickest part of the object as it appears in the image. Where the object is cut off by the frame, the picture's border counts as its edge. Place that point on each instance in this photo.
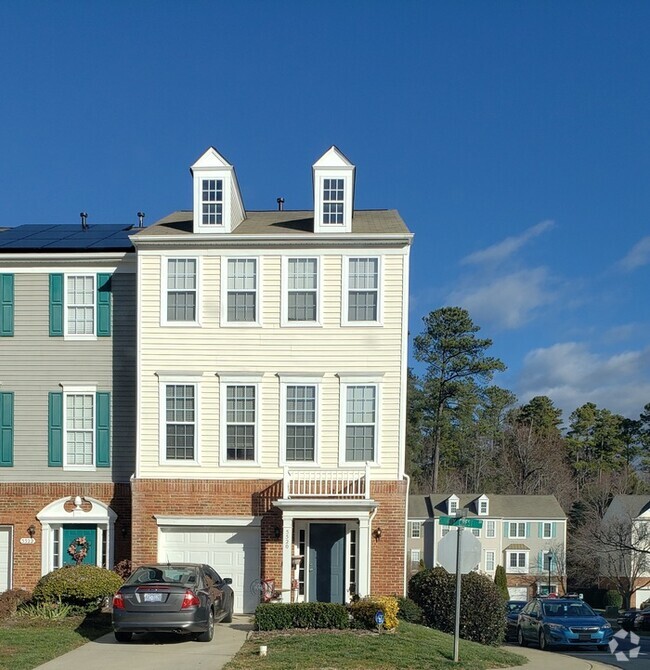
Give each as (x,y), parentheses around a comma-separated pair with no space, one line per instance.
(227,580)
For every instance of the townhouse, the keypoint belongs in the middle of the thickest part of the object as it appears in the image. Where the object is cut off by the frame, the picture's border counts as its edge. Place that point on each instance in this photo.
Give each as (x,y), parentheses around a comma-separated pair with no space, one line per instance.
(525,534)
(67,396)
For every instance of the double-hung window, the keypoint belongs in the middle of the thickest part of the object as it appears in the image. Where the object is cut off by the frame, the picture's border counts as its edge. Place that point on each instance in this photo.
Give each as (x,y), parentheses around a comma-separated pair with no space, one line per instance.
(489,561)
(212,202)
(80,429)
(360,422)
(547,530)
(490,528)
(182,290)
(180,422)
(240,419)
(242,289)
(300,423)
(415,529)
(516,529)
(302,290)
(333,201)
(517,561)
(361,290)
(80,305)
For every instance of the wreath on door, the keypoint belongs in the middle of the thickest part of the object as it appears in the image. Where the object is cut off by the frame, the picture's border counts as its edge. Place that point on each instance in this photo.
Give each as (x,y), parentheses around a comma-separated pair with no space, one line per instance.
(78,549)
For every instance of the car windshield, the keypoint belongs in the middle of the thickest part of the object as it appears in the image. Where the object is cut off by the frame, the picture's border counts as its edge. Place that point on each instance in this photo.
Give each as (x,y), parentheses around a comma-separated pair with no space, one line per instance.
(568,609)
(515,607)
(167,574)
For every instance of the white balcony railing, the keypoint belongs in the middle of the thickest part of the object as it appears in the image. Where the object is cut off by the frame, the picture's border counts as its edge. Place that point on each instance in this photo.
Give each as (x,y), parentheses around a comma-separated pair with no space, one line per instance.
(326,483)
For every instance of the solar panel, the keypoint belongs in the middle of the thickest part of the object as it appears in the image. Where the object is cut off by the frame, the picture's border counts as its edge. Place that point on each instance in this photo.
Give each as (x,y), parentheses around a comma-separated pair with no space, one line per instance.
(44,237)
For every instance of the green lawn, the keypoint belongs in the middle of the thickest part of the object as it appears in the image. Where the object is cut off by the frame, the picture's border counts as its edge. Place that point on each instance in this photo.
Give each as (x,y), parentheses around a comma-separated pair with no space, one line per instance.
(410,648)
(26,643)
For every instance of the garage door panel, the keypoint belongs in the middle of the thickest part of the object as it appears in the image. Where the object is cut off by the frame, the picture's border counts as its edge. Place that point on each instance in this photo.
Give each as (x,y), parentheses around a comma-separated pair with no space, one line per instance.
(642,595)
(5,558)
(232,552)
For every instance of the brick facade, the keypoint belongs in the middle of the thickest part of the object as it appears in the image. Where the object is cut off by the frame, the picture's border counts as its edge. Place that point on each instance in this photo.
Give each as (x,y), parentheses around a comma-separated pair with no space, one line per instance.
(21,502)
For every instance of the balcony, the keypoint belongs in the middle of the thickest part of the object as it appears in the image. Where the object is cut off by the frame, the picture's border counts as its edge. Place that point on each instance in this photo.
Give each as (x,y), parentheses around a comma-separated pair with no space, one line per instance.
(339,484)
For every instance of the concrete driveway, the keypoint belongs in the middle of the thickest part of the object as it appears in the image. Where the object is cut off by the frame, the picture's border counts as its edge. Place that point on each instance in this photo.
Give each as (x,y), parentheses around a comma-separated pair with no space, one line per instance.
(157,652)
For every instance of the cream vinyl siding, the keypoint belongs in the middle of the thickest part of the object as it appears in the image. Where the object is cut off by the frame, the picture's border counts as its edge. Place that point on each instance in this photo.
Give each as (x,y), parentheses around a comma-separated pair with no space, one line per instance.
(325,351)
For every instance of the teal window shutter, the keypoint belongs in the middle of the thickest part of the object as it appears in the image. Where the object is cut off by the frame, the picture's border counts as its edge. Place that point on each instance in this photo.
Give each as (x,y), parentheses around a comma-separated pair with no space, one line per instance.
(55,430)
(553,529)
(6,430)
(103,429)
(506,526)
(540,561)
(56,305)
(527,529)
(6,305)
(103,305)
(540,529)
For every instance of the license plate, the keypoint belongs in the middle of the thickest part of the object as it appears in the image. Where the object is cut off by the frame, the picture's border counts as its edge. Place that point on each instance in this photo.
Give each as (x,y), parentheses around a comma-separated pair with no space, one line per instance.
(584,636)
(153,597)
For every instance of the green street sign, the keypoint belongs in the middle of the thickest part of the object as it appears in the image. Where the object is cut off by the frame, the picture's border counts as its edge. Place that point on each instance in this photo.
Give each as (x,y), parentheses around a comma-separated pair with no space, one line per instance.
(462,521)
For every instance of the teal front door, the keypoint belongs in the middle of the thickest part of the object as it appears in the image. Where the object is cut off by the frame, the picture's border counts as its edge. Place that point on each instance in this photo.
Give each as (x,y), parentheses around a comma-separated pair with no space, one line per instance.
(327,562)
(73,533)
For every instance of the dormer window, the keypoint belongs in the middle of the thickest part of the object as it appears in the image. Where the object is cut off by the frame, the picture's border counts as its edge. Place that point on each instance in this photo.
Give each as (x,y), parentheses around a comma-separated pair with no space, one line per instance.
(212,202)
(333,201)
(483,506)
(333,193)
(452,505)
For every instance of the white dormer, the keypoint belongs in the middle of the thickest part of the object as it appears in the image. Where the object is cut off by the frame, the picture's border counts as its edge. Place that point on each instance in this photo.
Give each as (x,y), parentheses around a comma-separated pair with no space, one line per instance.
(452,504)
(483,505)
(333,192)
(218,206)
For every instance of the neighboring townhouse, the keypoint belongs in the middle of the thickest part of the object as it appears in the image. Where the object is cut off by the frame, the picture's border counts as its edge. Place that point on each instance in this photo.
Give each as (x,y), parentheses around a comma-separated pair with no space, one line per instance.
(272,358)
(67,396)
(627,522)
(522,533)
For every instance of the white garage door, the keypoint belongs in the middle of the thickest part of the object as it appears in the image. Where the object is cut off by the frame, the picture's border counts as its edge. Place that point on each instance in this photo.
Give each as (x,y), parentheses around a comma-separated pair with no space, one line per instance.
(642,595)
(232,552)
(518,592)
(5,559)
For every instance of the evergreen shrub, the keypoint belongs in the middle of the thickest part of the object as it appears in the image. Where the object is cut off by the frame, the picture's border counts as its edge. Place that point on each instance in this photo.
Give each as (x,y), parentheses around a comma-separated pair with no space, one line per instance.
(409,611)
(501,580)
(279,616)
(613,599)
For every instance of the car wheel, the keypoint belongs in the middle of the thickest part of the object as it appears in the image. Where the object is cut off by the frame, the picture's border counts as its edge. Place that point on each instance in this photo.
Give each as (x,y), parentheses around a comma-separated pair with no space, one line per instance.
(603,647)
(228,617)
(209,633)
(543,642)
(123,637)
(520,638)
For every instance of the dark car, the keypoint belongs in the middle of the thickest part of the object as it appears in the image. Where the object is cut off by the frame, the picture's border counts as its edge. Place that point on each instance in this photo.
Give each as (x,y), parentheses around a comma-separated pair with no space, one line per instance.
(626,618)
(562,621)
(642,619)
(172,598)
(513,607)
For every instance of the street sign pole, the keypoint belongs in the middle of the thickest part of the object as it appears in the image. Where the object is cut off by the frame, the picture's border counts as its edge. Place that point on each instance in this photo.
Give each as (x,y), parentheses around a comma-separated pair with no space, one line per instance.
(459,534)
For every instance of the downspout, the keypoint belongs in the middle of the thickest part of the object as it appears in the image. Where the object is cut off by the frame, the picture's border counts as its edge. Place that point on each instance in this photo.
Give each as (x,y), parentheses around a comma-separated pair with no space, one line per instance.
(406,530)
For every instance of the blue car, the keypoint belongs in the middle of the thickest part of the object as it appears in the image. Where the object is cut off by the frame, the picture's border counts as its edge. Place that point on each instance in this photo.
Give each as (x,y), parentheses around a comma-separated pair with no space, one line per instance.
(513,607)
(551,622)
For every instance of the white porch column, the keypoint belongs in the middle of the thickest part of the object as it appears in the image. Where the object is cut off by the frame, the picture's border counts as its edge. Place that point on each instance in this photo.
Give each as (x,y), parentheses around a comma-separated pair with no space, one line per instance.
(287,551)
(363,561)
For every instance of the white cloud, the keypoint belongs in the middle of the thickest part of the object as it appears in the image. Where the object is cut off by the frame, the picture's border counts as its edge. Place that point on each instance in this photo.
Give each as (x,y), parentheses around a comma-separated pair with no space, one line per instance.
(638,255)
(571,375)
(502,250)
(506,302)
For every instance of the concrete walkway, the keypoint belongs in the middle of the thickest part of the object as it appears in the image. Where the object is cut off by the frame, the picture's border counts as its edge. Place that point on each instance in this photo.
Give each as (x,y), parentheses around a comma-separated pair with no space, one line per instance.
(548,660)
(165,652)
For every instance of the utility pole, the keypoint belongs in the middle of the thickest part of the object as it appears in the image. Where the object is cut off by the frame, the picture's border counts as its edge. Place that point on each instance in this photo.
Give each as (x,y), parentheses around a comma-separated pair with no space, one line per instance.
(459,533)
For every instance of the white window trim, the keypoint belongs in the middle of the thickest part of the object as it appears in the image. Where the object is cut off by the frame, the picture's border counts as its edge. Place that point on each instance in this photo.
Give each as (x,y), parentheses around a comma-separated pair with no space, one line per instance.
(199,176)
(359,380)
(224,293)
(550,530)
(345,282)
(284,320)
(347,178)
(476,532)
(494,528)
(77,390)
(545,553)
(66,277)
(494,560)
(412,526)
(518,569)
(164,263)
(483,500)
(247,379)
(516,536)
(415,552)
(453,503)
(286,380)
(211,202)
(165,380)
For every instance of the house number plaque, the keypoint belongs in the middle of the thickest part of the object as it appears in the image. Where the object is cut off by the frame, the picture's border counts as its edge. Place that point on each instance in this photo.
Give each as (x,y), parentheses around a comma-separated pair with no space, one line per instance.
(287,538)
(27,540)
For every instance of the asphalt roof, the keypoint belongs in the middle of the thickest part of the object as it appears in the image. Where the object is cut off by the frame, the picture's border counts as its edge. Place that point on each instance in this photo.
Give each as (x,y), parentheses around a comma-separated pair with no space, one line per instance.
(628,506)
(66,237)
(274,222)
(501,506)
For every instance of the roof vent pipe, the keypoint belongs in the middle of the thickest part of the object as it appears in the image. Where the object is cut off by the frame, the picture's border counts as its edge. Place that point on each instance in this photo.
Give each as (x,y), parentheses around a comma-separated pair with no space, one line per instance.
(140,219)
(280,202)
(84,222)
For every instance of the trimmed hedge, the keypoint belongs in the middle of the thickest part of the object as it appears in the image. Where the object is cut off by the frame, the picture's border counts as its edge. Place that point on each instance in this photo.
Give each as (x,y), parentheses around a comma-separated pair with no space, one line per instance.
(409,611)
(364,610)
(613,599)
(481,605)
(83,587)
(279,616)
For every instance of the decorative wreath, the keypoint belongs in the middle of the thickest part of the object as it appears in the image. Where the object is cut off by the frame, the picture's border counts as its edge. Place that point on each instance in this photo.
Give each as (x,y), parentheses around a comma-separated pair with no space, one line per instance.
(79,549)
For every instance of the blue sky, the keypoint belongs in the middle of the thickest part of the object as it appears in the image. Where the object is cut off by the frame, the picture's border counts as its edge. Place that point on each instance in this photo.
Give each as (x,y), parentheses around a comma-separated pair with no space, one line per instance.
(513,137)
